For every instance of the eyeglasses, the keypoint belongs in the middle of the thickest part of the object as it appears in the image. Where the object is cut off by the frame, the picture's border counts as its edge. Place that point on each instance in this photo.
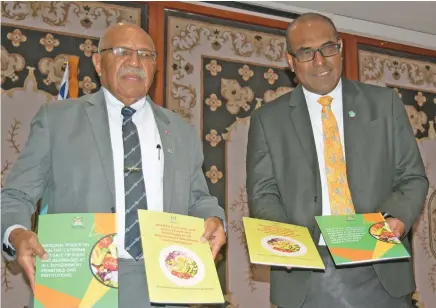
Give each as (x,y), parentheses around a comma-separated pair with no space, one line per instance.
(307,55)
(143,54)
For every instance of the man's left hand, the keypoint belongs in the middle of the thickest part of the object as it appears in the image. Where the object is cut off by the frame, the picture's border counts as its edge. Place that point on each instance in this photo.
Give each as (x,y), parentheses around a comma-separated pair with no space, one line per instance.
(396,225)
(214,234)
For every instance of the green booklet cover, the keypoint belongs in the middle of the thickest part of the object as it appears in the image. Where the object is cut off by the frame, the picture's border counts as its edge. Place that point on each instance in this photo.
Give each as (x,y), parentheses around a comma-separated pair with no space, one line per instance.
(82,269)
(360,238)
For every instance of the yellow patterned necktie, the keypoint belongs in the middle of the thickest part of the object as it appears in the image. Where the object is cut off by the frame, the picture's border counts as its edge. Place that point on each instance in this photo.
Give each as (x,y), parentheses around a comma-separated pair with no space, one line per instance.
(336,169)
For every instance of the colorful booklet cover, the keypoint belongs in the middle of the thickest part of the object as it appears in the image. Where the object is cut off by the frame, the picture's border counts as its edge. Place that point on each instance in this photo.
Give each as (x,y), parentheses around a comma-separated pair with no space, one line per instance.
(180,268)
(279,244)
(82,269)
(360,238)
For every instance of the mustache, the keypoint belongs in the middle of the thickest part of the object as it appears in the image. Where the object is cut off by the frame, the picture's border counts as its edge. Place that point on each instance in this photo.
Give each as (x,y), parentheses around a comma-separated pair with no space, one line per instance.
(132,70)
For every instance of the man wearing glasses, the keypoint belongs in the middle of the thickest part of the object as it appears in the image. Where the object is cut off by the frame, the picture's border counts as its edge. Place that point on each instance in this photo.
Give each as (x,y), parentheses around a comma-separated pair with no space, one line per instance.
(112,151)
(334,147)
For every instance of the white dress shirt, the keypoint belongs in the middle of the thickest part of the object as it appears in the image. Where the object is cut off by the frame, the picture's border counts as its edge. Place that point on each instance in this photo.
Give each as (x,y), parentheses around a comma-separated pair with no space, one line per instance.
(152,158)
(315,109)
(152,161)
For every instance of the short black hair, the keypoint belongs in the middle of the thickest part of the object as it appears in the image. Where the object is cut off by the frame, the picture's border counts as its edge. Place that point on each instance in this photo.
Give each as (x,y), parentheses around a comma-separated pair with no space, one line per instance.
(304,17)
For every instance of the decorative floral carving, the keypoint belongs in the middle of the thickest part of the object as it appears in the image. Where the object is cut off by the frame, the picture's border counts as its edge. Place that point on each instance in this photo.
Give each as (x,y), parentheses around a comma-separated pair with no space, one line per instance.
(241,202)
(49,42)
(5,168)
(213,102)
(372,67)
(432,277)
(242,46)
(431,130)
(53,68)
(183,99)
(420,99)
(68,16)
(271,95)
(213,138)
(246,72)
(271,76)
(385,69)
(216,40)
(213,67)
(275,50)
(188,38)
(214,174)
(16,37)
(417,119)
(10,64)
(236,96)
(88,48)
(12,139)
(5,275)
(87,85)
(182,68)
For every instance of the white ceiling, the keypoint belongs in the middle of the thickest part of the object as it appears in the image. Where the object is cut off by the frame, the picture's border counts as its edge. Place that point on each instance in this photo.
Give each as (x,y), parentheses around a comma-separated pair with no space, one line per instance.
(418,16)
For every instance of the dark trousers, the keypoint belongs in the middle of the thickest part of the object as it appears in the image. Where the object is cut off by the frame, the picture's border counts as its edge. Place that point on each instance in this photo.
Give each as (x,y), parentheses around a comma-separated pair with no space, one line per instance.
(349,287)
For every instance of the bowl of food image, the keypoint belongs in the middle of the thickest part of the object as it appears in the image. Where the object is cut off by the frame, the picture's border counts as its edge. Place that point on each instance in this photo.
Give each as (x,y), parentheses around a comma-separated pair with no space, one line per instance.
(382,232)
(103,261)
(284,246)
(181,266)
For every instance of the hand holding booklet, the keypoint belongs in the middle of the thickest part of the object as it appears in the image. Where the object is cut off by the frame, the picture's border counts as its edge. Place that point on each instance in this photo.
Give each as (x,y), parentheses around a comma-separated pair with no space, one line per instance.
(279,244)
(82,268)
(360,238)
(180,268)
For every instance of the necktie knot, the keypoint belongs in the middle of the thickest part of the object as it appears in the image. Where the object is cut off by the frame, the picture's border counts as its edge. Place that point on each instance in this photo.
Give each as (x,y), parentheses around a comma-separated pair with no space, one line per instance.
(325,100)
(127,112)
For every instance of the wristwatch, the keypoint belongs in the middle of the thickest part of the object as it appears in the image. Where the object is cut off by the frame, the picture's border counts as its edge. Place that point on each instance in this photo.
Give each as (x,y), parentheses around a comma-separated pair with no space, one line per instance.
(224,224)
(387,215)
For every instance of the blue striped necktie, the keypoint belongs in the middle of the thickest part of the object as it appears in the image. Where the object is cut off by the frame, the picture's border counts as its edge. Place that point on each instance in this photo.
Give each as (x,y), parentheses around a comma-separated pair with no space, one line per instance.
(134,185)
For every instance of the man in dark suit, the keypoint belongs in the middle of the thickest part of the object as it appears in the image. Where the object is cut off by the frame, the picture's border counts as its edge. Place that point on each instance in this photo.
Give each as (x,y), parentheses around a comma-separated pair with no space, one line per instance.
(80,149)
(334,146)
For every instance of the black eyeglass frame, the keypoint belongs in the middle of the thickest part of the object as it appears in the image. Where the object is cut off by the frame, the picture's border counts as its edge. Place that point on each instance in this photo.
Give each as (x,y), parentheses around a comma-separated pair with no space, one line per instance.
(320,49)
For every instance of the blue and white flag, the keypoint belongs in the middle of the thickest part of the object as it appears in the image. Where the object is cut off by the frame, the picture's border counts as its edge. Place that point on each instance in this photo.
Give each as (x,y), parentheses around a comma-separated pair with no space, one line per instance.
(63,90)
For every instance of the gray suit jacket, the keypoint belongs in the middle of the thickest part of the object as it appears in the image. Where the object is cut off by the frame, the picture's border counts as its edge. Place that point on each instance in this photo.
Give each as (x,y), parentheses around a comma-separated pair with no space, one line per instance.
(69,150)
(384,167)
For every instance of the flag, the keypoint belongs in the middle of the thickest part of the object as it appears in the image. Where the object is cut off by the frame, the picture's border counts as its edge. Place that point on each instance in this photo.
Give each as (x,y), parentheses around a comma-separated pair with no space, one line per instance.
(69,89)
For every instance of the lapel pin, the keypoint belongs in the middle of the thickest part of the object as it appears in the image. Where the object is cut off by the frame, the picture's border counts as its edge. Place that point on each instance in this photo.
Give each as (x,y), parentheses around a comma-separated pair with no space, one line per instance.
(167,132)
(351,114)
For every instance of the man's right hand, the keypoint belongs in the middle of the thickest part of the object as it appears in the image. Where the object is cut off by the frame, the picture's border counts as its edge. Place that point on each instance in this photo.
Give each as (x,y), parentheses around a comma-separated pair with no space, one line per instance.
(27,247)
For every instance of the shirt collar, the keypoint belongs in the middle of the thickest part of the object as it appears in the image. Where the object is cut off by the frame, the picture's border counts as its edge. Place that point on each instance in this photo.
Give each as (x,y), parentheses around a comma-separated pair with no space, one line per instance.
(336,93)
(113,102)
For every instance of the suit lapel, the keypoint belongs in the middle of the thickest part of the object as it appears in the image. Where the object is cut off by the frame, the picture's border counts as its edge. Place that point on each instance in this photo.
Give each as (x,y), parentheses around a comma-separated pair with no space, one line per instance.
(352,126)
(166,133)
(301,120)
(98,118)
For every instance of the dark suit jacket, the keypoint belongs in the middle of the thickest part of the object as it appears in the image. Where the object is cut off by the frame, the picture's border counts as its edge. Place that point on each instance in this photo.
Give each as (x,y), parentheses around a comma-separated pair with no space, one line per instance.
(384,167)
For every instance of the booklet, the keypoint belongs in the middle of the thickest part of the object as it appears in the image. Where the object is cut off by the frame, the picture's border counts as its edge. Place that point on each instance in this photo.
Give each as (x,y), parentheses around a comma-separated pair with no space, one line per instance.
(179,268)
(279,244)
(82,269)
(360,238)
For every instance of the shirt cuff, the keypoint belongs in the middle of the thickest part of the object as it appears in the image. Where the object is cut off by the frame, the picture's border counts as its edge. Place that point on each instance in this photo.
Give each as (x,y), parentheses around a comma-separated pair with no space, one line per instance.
(8,249)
